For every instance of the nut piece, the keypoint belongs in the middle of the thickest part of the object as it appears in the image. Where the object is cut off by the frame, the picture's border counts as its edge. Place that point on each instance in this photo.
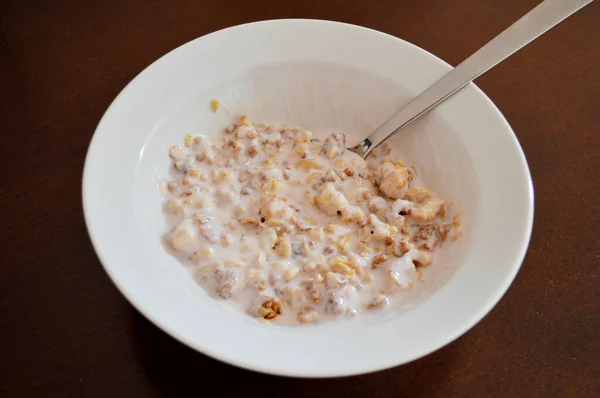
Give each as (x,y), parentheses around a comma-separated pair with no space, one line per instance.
(427,237)
(270,309)
(349,172)
(253,151)
(225,290)
(378,260)
(401,248)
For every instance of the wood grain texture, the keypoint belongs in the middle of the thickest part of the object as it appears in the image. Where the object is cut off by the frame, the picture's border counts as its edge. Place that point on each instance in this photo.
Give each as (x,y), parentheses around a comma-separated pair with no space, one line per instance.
(66,331)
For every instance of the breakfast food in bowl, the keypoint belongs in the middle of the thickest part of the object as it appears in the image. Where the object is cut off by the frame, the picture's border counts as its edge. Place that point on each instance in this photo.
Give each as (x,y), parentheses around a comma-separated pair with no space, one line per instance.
(295,231)
(465,153)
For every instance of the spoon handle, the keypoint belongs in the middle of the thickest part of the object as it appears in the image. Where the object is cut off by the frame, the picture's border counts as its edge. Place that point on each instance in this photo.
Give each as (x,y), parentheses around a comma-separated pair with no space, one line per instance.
(536,22)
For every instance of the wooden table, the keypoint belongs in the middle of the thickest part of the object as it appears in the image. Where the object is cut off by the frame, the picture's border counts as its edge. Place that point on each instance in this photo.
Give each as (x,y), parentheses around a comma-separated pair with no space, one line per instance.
(66,331)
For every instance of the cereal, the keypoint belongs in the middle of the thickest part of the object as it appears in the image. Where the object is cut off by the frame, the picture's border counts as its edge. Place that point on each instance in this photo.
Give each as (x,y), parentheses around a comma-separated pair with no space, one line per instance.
(296,232)
(378,301)
(378,260)
(270,309)
(308,316)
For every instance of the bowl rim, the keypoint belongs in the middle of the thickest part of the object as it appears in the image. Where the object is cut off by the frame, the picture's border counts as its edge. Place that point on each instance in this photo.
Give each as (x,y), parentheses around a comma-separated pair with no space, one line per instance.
(484,309)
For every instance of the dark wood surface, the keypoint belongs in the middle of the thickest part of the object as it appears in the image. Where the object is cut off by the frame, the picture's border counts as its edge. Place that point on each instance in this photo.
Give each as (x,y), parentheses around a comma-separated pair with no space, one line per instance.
(66,331)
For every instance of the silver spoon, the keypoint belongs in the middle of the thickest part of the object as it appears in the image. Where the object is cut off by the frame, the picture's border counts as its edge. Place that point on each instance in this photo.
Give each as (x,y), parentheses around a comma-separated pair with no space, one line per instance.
(536,22)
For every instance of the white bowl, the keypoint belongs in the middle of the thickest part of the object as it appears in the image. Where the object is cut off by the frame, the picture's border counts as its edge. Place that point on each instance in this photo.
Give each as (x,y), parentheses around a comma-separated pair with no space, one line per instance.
(321,75)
